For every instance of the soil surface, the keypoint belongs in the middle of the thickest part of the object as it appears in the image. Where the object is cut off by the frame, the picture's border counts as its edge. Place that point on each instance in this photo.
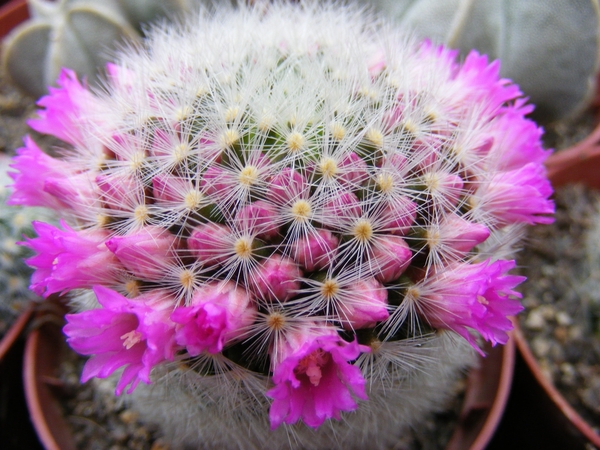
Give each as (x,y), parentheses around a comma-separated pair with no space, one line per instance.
(562,298)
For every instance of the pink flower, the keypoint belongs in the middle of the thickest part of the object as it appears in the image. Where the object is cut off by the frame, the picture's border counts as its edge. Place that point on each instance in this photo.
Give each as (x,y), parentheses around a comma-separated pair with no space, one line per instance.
(218,315)
(259,219)
(146,252)
(68,259)
(399,216)
(62,108)
(517,140)
(120,192)
(33,168)
(286,186)
(365,305)
(341,209)
(471,296)
(277,278)
(314,378)
(518,196)
(391,257)
(134,333)
(353,170)
(209,241)
(170,189)
(316,250)
(377,63)
(454,237)
(77,192)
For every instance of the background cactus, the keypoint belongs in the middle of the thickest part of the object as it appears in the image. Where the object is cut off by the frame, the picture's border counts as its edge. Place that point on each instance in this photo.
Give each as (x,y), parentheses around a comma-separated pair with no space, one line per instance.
(78,34)
(279,216)
(550,48)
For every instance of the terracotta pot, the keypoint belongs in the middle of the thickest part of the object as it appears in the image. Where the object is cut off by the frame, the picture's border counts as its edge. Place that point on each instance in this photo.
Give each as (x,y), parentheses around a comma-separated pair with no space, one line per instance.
(563,427)
(15,331)
(487,392)
(16,431)
(44,352)
(488,389)
(12,13)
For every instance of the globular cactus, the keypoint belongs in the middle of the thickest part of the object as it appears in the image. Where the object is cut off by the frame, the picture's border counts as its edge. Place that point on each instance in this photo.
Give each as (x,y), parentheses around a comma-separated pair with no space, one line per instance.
(15,222)
(283,215)
(78,34)
(550,48)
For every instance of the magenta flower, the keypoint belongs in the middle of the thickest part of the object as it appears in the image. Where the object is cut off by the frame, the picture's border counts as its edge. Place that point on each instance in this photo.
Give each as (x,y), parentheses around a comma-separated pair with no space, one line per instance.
(518,196)
(62,108)
(218,315)
(363,305)
(315,251)
(468,297)
(391,257)
(518,138)
(135,333)
(68,259)
(146,252)
(33,168)
(203,327)
(277,279)
(315,379)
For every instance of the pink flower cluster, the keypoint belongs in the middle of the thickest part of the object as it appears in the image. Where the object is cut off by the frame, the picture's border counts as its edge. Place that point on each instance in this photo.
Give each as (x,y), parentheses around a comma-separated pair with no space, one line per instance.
(205,226)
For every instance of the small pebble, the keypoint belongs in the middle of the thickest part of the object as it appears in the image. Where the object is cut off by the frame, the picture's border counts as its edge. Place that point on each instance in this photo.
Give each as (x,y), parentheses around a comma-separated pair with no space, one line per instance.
(563,319)
(535,321)
(541,347)
(569,374)
(129,416)
(548,312)
(561,334)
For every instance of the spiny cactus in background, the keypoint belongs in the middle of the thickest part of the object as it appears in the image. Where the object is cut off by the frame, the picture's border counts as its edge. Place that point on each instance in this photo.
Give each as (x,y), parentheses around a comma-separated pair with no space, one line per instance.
(550,48)
(78,34)
(283,215)
(15,222)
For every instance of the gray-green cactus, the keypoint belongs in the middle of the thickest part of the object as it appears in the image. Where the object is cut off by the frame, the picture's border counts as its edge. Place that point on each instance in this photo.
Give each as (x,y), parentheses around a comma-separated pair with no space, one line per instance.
(78,34)
(550,48)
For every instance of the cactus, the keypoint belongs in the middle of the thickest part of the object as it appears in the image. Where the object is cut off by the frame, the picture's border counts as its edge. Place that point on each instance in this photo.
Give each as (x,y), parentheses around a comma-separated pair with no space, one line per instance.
(291,222)
(550,48)
(78,34)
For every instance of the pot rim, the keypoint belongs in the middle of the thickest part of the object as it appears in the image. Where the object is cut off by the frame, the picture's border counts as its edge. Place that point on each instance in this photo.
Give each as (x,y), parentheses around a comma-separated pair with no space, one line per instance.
(12,14)
(557,398)
(579,163)
(16,330)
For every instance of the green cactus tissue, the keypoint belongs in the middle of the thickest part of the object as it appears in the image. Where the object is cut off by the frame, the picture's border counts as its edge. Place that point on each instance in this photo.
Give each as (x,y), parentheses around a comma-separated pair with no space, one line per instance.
(284,225)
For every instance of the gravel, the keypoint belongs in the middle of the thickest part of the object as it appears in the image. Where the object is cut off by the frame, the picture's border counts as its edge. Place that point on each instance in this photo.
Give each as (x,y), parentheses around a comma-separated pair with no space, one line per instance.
(562,298)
